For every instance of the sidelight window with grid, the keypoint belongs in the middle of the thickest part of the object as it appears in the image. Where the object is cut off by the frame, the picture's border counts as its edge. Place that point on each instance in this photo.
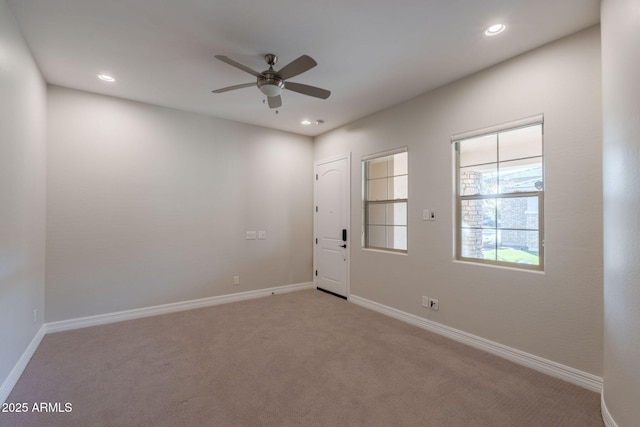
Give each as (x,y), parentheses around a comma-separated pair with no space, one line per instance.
(385,194)
(500,197)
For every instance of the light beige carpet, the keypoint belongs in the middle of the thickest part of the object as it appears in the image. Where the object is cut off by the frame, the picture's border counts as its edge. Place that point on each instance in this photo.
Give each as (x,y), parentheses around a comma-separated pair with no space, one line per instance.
(298,359)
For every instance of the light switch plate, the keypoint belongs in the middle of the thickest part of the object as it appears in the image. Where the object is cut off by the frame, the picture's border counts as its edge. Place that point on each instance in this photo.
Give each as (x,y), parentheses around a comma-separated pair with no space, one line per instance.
(251,235)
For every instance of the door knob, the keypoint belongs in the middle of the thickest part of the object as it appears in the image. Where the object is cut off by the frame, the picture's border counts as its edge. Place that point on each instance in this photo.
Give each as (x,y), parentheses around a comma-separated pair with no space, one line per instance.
(343,246)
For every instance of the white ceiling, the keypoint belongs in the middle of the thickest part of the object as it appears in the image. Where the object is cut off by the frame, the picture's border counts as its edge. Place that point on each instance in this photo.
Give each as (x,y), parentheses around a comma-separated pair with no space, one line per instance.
(371,54)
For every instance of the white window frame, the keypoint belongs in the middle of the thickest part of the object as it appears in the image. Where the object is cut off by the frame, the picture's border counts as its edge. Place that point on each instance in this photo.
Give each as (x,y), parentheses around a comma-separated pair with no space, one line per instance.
(365,202)
(456,139)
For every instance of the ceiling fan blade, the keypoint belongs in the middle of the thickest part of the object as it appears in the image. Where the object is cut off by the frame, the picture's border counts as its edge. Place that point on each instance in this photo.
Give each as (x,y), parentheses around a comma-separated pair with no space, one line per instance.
(274,101)
(307,90)
(297,66)
(227,89)
(238,65)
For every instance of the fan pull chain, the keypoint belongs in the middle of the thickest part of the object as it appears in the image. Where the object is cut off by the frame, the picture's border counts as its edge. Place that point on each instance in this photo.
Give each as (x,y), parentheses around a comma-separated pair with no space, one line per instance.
(264,101)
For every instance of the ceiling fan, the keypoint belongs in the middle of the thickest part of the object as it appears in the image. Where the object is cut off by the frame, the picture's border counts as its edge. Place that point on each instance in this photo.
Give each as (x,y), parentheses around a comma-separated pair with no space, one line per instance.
(271,82)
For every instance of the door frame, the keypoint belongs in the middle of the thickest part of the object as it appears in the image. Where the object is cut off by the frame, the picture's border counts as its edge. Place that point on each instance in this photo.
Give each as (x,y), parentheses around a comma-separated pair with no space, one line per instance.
(316,164)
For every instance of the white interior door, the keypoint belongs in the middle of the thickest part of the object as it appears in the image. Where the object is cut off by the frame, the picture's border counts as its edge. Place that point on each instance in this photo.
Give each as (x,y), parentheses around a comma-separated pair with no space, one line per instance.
(331,225)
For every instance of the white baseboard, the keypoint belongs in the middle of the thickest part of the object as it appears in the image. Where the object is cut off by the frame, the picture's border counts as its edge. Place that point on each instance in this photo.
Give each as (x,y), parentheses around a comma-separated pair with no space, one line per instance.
(549,367)
(554,369)
(19,367)
(606,415)
(103,319)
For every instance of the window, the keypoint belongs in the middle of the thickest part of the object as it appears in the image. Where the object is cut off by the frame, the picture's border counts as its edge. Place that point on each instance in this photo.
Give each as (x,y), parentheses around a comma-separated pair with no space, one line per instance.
(385,191)
(500,197)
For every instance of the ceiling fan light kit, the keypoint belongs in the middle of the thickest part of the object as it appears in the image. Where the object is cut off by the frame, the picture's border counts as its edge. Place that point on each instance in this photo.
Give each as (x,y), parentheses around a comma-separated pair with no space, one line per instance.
(271,86)
(271,82)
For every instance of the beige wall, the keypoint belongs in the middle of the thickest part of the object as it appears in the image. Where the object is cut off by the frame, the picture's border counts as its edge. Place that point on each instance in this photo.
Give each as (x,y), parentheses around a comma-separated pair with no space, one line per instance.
(22,193)
(621,159)
(557,314)
(148,205)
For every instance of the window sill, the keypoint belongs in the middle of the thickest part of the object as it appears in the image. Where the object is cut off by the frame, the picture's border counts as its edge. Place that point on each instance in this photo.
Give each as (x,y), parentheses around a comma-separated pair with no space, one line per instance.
(503,267)
(382,251)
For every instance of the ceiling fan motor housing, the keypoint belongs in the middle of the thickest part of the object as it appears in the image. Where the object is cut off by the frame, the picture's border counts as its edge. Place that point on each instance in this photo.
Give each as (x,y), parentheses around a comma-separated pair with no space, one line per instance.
(270,84)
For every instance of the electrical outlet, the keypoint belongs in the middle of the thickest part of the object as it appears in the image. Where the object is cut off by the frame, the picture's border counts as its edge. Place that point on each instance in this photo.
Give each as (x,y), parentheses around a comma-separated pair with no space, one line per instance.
(425,302)
(236,280)
(432,215)
(433,304)
(262,235)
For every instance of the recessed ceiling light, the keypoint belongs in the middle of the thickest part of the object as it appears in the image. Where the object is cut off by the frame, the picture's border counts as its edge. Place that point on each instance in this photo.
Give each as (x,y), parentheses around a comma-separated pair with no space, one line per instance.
(106,78)
(495,29)
(305,122)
